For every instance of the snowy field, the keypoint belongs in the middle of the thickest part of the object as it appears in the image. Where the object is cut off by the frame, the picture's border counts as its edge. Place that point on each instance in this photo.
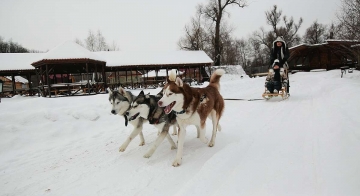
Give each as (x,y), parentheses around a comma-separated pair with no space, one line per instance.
(306,145)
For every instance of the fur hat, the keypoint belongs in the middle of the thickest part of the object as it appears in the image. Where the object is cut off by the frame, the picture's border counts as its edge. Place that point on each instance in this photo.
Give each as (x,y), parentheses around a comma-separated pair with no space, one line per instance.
(279,39)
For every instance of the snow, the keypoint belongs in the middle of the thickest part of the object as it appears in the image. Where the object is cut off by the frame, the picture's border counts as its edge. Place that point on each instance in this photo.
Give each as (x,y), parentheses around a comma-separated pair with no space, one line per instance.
(306,145)
(18,61)
(18,79)
(123,58)
(70,50)
(161,73)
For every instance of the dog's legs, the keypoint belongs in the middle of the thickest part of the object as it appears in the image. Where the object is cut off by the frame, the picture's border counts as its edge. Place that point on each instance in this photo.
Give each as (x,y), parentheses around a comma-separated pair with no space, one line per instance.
(215,122)
(166,128)
(181,138)
(142,140)
(219,127)
(175,126)
(133,134)
(201,133)
(164,132)
(198,131)
(157,142)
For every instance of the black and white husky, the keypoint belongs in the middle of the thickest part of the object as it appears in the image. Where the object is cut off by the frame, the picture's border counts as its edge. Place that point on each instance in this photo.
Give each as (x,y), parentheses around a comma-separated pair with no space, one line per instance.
(146,107)
(121,101)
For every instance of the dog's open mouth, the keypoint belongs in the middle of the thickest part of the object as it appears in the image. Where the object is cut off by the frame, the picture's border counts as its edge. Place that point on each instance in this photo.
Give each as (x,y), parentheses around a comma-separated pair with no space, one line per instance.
(169,107)
(134,116)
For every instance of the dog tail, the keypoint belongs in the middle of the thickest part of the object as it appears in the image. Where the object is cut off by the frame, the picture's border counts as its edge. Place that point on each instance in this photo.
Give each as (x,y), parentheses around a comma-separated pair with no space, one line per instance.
(215,78)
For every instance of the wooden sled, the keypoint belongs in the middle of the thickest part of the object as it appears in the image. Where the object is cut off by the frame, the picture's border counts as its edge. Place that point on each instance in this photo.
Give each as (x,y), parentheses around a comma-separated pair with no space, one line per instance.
(282,93)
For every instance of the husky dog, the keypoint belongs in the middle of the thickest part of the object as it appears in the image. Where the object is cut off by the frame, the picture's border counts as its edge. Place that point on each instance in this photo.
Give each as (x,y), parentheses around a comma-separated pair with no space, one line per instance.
(193,106)
(146,107)
(120,101)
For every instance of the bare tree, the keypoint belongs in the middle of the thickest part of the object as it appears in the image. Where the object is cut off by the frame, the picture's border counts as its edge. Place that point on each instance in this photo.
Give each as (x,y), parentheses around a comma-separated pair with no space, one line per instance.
(349,19)
(90,41)
(315,34)
(288,30)
(214,11)
(243,51)
(196,37)
(114,47)
(97,42)
(78,41)
(100,42)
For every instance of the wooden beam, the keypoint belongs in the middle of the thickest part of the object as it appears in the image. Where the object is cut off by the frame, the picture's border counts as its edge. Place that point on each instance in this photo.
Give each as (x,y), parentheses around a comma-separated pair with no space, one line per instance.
(48,80)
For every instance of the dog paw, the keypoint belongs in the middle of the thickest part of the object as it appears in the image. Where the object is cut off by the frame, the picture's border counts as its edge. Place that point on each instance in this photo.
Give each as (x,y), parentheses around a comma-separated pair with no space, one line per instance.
(205,140)
(176,163)
(122,149)
(147,155)
(142,143)
(211,144)
(173,147)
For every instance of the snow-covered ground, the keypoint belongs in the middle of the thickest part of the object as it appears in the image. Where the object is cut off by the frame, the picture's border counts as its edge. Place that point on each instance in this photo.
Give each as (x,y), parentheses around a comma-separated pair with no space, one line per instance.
(306,145)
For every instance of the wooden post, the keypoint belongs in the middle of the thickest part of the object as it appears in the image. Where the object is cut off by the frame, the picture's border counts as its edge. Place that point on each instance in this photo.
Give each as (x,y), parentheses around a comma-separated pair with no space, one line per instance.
(42,82)
(87,78)
(48,79)
(29,80)
(13,83)
(125,76)
(104,76)
(132,82)
(199,74)
(143,78)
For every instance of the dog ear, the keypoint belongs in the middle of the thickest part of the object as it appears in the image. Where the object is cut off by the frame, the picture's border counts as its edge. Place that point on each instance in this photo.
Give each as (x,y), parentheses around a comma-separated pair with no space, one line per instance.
(142,93)
(160,94)
(109,90)
(122,91)
(179,82)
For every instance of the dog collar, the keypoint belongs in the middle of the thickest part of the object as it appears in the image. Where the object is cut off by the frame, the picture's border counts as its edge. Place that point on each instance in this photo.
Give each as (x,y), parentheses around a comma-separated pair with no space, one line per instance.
(181,112)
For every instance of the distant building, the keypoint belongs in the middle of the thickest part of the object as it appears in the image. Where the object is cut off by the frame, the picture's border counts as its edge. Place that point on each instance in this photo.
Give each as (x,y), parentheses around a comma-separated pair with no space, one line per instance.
(332,54)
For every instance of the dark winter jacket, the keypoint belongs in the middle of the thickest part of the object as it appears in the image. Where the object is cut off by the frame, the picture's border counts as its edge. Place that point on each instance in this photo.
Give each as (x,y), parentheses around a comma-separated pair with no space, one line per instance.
(281,53)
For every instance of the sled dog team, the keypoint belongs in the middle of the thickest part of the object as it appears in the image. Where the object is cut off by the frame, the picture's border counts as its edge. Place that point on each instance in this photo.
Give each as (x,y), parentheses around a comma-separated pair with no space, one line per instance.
(177,105)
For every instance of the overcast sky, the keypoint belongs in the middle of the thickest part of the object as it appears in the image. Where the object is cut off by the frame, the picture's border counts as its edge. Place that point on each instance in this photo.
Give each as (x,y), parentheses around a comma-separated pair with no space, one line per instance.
(146,25)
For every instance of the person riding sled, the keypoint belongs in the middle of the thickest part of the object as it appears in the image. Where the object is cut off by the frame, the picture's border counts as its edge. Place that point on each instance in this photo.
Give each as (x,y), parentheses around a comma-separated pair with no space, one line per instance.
(279,55)
(276,79)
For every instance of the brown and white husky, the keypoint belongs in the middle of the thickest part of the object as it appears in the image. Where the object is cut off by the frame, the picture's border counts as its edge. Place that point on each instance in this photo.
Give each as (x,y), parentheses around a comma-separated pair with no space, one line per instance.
(193,106)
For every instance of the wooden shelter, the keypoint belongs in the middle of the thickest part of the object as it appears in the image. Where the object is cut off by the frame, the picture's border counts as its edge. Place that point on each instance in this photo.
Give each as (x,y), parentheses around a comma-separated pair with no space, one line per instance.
(70,58)
(144,62)
(332,54)
(70,69)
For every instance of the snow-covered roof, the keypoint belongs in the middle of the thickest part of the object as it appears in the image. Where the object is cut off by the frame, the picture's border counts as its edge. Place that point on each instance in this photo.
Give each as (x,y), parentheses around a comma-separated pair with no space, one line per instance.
(18,79)
(121,58)
(18,61)
(325,43)
(70,50)
(304,44)
(161,73)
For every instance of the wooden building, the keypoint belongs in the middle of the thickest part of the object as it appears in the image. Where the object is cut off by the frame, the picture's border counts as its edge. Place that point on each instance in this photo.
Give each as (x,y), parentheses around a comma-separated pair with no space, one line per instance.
(332,54)
(20,84)
(65,59)
(144,62)
(70,69)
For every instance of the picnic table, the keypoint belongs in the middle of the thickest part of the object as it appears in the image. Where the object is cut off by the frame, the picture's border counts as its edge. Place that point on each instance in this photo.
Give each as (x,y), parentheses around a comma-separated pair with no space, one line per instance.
(71,89)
